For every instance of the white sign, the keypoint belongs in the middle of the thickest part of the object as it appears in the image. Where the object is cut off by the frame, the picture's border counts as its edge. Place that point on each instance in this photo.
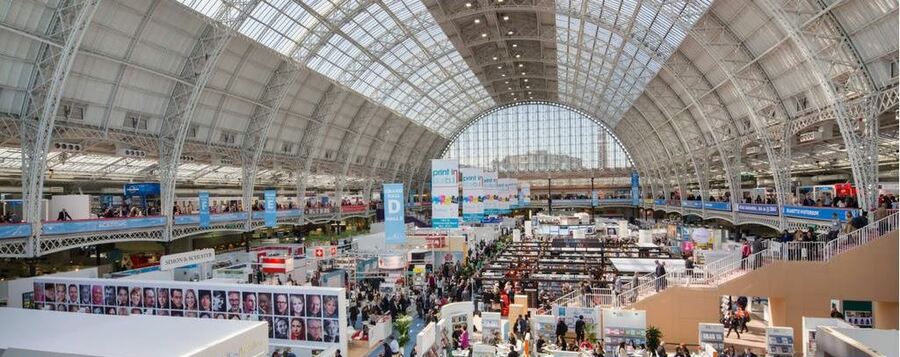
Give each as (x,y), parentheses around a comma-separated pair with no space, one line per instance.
(172,261)
(712,335)
(391,262)
(780,341)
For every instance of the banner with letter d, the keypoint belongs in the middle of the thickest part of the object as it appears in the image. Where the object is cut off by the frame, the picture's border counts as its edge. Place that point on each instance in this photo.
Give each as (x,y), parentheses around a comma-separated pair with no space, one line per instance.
(394,225)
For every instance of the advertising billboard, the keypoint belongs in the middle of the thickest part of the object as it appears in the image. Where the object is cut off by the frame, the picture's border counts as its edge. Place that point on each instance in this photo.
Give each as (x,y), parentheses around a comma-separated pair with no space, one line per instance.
(444,193)
(473,194)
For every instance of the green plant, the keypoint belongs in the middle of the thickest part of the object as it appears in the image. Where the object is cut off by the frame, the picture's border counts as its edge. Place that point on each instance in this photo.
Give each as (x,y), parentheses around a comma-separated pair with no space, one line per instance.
(591,334)
(654,337)
(401,326)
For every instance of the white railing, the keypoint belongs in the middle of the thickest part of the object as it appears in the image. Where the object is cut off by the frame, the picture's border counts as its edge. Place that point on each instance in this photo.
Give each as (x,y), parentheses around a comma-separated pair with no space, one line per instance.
(723,270)
(860,236)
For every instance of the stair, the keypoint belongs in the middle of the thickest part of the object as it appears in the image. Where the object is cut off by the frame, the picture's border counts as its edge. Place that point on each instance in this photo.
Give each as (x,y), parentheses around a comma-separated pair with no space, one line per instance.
(755,338)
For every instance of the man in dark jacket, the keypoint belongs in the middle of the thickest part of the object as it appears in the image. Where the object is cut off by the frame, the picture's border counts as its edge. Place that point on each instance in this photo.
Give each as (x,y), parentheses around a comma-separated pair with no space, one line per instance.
(561,330)
(579,329)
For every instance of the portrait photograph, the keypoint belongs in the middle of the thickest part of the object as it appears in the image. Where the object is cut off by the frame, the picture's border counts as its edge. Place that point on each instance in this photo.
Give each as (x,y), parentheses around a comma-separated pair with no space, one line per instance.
(162,298)
(149,298)
(122,296)
(249,302)
(298,329)
(176,299)
(332,331)
(264,301)
(281,328)
(109,295)
(218,301)
(297,305)
(281,305)
(314,330)
(190,300)
(330,306)
(205,300)
(313,307)
(134,297)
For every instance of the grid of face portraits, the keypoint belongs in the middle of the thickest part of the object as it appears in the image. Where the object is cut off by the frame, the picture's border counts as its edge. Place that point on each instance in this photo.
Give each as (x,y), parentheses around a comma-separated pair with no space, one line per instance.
(299,317)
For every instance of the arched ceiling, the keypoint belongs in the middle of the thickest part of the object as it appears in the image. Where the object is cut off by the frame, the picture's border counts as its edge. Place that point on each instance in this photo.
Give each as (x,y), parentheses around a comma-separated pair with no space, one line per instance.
(697,90)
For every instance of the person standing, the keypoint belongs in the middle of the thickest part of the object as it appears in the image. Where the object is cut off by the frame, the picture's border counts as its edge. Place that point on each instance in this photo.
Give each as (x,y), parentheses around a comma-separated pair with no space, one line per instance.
(63,215)
(561,330)
(579,329)
(689,268)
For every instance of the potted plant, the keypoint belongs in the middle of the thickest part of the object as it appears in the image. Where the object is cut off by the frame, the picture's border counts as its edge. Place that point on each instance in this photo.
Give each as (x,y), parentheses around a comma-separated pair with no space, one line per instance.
(654,337)
(401,326)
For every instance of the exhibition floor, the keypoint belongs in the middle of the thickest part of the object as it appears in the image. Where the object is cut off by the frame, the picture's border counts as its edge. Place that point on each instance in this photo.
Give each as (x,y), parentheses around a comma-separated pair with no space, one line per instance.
(414,329)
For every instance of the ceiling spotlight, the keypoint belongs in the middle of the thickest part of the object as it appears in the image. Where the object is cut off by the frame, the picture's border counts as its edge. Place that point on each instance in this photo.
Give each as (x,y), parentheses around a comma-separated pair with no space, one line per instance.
(499,67)
(500,1)
(527,87)
(506,82)
(505,18)
(526,79)
(494,58)
(518,56)
(510,33)
(484,34)
(468,4)
(529,92)
(523,73)
(503,75)
(521,65)
(510,88)
(530,97)
(515,45)
(477,21)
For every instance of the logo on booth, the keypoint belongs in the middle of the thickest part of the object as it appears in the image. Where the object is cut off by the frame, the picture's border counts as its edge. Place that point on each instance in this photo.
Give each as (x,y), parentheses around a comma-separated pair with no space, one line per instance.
(320,252)
(444,176)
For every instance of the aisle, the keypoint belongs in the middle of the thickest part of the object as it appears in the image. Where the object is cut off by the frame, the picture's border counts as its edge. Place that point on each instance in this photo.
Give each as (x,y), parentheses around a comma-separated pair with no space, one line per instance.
(417,326)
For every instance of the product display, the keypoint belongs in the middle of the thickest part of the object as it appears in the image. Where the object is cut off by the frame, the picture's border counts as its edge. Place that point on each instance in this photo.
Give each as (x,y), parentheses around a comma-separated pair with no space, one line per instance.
(780,341)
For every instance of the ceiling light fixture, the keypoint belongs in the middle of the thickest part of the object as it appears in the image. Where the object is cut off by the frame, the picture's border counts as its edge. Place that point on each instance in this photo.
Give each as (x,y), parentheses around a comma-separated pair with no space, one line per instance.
(484,35)
(477,21)
(527,87)
(505,18)
(515,45)
(499,67)
(503,75)
(518,56)
(468,4)
(521,65)
(523,73)
(526,79)
(510,88)
(510,33)
(494,58)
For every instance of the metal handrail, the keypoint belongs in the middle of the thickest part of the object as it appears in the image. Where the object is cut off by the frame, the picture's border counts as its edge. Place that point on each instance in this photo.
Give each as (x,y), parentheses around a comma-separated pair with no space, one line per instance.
(722,270)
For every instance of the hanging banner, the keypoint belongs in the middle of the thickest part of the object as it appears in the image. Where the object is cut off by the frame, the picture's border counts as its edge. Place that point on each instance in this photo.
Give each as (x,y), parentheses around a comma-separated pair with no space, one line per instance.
(504,198)
(204,209)
(394,226)
(525,194)
(271,216)
(444,194)
(595,199)
(473,194)
(490,193)
(635,188)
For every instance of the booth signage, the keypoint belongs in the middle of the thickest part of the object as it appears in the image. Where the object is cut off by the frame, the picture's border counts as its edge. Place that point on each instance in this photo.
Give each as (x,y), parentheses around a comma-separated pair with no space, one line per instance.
(691,204)
(595,198)
(271,217)
(172,261)
(819,213)
(204,209)
(717,206)
(444,193)
(767,210)
(635,188)
(394,226)
(283,265)
(525,194)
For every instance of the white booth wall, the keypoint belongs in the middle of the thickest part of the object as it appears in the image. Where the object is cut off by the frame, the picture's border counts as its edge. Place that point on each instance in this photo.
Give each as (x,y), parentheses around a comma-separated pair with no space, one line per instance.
(15,288)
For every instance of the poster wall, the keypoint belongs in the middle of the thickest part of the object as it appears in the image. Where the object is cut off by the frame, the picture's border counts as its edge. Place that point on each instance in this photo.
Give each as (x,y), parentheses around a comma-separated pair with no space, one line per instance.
(623,326)
(312,316)
(394,220)
(491,204)
(444,194)
(473,194)
(491,329)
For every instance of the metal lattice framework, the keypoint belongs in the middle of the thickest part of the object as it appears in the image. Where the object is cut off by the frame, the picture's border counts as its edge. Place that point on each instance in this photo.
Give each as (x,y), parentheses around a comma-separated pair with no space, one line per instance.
(67,26)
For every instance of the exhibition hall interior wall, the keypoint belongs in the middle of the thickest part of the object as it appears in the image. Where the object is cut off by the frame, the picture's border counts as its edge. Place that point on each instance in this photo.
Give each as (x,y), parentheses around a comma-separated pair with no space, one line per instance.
(794,289)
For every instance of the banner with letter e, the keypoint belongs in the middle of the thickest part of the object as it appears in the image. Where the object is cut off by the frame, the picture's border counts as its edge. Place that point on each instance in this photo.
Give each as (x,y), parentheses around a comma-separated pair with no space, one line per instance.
(444,194)
(271,216)
(394,224)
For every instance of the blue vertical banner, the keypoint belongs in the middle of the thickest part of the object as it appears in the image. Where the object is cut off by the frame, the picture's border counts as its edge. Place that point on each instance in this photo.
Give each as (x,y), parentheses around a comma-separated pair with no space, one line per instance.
(270,215)
(635,188)
(445,194)
(394,226)
(595,198)
(204,209)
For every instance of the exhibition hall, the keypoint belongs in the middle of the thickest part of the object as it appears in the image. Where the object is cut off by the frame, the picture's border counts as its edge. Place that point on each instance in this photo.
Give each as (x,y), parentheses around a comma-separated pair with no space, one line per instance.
(449,178)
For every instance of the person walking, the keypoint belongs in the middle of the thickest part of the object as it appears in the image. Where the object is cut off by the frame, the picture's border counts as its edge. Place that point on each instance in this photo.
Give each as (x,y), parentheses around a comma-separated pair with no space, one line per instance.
(689,269)
(732,324)
(561,330)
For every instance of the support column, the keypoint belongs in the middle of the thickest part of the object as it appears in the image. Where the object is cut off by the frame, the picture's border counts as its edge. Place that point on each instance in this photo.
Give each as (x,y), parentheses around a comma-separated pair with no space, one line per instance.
(194,75)
(53,64)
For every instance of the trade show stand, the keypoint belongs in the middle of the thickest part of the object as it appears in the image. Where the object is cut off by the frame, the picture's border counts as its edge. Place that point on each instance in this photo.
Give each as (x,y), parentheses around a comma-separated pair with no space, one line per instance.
(41,333)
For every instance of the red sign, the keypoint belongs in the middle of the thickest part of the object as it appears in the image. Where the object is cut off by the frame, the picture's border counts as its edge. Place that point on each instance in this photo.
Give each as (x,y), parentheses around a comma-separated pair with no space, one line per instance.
(353,208)
(277,264)
(333,251)
(320,253)
(845,190)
